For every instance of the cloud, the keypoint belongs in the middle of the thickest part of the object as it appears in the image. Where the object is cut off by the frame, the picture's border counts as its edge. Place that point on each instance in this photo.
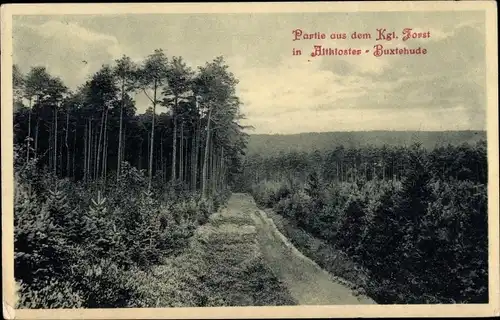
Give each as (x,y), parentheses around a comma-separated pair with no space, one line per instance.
(443,89)
(295,84)
(281,92)
(66,49)
(451,74)
(352,119)
(77,37)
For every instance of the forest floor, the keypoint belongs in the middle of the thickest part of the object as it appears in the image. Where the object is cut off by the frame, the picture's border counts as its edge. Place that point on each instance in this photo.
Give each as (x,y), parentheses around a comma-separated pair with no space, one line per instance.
(307,283)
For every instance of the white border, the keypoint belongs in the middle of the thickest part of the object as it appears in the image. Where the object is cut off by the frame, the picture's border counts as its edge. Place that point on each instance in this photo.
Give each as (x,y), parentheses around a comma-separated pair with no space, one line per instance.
(7,11)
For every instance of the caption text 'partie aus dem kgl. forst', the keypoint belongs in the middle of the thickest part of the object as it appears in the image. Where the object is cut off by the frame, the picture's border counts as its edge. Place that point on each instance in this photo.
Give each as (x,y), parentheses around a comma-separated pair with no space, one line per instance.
(377,50)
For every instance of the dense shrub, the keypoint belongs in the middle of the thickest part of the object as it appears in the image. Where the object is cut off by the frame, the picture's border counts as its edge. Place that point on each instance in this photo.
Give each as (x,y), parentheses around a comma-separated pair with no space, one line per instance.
(222,266)
(422,238)
(79,245)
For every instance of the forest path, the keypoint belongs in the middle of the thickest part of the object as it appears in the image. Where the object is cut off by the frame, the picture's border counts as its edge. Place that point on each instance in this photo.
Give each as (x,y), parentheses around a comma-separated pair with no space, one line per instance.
(305,280)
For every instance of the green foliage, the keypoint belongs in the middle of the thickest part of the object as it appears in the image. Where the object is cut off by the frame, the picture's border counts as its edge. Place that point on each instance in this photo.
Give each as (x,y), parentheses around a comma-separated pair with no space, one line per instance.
(86,216)
(49,294)
(105,284)
(313,185)
(75,247)
(222,266)
(420,235)
(87,134)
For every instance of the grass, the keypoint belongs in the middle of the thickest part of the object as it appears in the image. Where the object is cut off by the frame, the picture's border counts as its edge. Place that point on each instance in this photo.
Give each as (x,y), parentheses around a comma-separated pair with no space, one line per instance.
(222,266)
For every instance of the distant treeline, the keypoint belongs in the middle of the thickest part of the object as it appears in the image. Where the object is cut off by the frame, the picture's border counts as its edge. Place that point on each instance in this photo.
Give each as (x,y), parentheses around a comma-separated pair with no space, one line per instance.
(412,221)
(265,144)
(341,164)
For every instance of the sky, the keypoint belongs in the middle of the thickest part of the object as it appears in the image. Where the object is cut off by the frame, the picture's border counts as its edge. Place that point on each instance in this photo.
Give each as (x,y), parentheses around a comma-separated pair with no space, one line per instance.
(281,92)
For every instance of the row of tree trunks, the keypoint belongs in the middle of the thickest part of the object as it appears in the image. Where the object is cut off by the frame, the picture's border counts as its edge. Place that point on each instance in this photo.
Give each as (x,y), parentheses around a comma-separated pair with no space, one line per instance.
(95,153)
(76,144)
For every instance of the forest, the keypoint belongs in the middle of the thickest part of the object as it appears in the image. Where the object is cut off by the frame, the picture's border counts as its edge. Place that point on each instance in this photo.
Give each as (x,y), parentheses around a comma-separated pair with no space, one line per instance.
(274,144)
(116,208)
(105,197)
(404,224)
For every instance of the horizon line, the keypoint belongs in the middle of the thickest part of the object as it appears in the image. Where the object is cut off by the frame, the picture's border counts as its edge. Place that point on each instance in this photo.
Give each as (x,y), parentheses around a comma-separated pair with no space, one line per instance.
(357,131)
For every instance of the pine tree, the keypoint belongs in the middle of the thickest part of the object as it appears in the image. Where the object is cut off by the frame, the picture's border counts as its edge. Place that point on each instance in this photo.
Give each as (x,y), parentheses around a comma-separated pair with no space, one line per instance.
(144,235)
(101,228)
(58,206)
(312,187)
(27,237)
(42,249)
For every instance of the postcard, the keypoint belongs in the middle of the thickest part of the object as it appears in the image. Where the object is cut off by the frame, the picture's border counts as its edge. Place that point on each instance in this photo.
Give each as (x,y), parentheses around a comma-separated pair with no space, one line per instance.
(250,160)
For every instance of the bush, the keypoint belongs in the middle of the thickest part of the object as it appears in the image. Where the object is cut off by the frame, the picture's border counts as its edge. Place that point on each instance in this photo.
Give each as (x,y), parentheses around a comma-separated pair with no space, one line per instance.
(420,239)
(265,193)
(222,266)
(79,245)
(49,294)
(105,285)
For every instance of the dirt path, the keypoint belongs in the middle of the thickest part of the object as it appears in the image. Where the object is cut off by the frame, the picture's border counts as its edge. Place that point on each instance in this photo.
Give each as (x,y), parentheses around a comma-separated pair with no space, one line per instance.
(306,281)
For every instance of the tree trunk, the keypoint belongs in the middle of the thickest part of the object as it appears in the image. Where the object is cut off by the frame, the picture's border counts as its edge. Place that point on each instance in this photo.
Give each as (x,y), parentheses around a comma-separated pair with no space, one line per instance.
(96,153)
(90,152)
(185,166)
(55,139)
(147,151)
(123,157)
(118,165)
(341,172)
(66,143)
(29,133)
(383,171)
(95,160)
(51,145)
(205,159)
(221,170)
(338,171)
(100,148)
(197,151)
(60,158)
(224,174)
(74,152)
(105,145)
(174,143)
(161,160)
(210,168)
(152,139)
(355,172)
(85,151)
(36,136)
(181,154)
(193,159)
(214,171)
(139,165)
(215,159)
(105,154)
